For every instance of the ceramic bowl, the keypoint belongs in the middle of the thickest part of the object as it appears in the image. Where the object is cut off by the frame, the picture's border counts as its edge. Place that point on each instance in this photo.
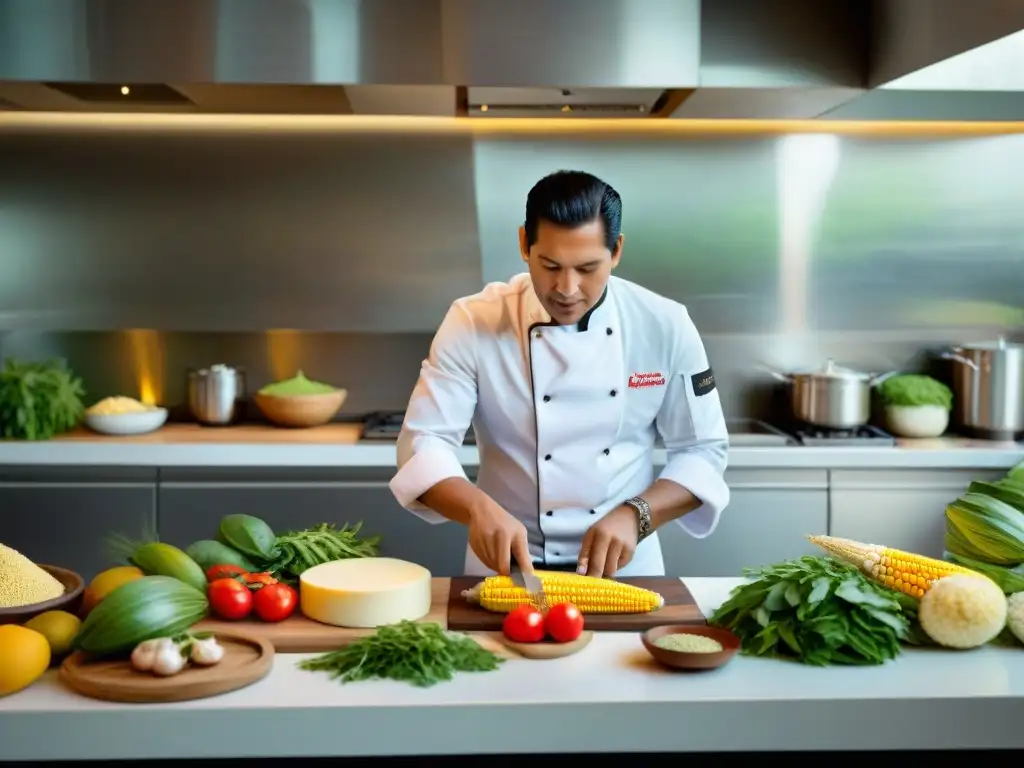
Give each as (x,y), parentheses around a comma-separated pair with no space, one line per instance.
(683,660)
(916,420)
(126,423)
(70,601)
(301,410)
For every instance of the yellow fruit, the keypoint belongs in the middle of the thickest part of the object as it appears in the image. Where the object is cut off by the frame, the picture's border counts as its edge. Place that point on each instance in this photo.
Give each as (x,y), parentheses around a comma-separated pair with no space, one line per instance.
(106,582)
(58,627)
(24,656)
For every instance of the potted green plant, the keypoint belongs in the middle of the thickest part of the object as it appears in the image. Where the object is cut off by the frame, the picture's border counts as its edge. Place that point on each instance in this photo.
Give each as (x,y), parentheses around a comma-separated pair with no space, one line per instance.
(916,405)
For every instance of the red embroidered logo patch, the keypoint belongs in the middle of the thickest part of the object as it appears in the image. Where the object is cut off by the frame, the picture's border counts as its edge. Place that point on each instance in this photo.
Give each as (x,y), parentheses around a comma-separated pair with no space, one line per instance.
(641,380)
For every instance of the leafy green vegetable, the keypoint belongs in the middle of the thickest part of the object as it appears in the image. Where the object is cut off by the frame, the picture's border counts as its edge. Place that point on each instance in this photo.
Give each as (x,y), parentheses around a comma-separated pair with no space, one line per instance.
(38,400)
(420,654)
(818,611)
(248,535)
(300,550)
(914,389)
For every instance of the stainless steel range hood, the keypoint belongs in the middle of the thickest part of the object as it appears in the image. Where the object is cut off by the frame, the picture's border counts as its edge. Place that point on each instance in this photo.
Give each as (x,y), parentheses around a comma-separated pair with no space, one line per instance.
(494,58)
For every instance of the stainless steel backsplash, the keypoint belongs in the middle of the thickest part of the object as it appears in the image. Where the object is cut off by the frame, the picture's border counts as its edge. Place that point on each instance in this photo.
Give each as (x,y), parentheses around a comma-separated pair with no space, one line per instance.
(787,249)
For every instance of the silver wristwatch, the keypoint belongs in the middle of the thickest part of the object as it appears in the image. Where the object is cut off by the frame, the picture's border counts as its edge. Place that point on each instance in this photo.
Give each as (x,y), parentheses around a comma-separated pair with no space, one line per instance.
(643,516)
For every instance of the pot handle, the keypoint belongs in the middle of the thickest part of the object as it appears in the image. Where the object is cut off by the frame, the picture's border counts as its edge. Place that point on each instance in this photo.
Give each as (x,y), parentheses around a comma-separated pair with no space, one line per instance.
(957,358)
(783,377)
(879,378)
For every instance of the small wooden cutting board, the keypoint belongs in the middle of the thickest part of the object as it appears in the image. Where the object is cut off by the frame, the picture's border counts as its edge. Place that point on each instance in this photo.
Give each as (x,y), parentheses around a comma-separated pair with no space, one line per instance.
(246,661)
(679,608)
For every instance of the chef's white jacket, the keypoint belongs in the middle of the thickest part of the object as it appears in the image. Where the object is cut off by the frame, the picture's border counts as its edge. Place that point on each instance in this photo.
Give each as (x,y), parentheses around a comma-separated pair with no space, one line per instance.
(566,417)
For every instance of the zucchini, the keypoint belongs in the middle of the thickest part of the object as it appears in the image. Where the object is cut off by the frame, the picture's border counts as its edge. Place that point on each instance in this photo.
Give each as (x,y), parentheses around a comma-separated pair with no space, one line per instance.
(144,609)
(159,559)
(248,535)
(208,553)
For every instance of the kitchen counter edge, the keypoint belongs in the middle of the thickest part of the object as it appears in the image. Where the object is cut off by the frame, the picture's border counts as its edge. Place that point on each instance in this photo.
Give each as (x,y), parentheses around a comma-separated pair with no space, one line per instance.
(948,454)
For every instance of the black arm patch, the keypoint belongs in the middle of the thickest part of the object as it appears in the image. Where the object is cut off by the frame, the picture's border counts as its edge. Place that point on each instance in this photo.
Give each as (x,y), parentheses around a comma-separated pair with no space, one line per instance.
(703,382)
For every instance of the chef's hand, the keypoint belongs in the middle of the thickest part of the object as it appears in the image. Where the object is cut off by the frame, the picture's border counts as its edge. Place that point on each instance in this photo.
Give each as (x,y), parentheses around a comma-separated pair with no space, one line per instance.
(496,537)
(609,544)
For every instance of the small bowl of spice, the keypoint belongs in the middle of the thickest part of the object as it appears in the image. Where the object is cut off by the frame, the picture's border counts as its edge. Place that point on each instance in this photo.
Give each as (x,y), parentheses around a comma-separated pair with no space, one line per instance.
(691,647)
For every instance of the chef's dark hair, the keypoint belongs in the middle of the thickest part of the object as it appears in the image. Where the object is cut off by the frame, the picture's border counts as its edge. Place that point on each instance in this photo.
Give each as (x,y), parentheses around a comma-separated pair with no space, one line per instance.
(571,199)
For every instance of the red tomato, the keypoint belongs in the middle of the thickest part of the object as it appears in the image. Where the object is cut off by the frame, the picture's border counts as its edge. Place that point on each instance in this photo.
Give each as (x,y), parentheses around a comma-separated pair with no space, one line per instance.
(275,602)
(259,579)
(230,599)
(524,624)
(224,572)
(564,622)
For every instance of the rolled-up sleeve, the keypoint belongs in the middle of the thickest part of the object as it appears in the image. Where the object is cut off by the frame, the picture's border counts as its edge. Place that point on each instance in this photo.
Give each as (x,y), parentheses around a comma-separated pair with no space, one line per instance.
(439,414)
(692,426)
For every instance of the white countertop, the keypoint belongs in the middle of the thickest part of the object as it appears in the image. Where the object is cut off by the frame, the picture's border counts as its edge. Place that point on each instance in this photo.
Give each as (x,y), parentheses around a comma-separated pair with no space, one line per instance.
(339,445)
(611,697)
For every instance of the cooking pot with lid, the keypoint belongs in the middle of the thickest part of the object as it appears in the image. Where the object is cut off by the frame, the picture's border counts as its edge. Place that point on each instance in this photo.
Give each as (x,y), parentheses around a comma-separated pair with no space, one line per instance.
(832,396)
(988,387)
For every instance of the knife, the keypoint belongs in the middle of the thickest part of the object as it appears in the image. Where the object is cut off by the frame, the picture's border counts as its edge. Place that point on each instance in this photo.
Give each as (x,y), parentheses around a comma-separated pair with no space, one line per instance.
(532,584)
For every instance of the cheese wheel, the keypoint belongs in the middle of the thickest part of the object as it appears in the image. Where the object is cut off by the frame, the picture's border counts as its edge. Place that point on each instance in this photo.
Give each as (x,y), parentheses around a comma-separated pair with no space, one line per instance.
(365,592)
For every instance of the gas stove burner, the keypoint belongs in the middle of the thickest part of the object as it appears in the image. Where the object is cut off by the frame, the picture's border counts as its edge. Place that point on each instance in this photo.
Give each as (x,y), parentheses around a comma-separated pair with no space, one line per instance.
(858,436)
(386,425)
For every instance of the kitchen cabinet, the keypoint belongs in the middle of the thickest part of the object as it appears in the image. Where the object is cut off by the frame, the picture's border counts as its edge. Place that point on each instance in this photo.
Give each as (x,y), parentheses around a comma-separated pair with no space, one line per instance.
(191,503)
(769,516)
(901,508)
(65,515)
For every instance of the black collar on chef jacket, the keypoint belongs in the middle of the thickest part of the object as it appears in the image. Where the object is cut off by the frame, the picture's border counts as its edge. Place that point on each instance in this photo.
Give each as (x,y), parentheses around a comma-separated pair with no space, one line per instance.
(584,322)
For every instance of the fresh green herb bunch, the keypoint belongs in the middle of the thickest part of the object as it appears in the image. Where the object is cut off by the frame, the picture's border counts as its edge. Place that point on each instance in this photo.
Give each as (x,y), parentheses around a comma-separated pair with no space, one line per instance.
(38,399)
(297,551)
(818,611)
(420,654)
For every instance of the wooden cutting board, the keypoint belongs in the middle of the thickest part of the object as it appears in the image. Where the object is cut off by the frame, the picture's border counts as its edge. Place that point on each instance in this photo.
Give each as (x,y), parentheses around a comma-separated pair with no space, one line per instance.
(301,635)
(246,661)
(679,608)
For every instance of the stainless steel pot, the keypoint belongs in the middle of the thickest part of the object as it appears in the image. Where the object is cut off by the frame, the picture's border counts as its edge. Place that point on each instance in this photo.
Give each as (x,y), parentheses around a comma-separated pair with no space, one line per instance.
(988,387)
(832,396)
(214,394)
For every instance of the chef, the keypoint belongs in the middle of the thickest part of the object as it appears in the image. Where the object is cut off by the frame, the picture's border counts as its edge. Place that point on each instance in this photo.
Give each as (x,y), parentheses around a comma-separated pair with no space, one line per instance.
(567,375)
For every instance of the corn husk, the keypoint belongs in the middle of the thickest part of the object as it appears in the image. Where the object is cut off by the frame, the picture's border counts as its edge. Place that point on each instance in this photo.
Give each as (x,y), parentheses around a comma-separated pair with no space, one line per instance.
(984,528)
(1010,580)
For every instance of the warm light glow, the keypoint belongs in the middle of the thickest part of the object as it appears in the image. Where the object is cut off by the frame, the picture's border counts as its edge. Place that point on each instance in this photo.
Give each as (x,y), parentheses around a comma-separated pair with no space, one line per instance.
(284,351)
(145,348)
(125,90)
(69,121)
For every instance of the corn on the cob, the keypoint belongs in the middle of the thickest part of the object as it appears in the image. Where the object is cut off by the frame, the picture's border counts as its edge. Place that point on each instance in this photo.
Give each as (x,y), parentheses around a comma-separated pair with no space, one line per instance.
(588,593)
(903,571)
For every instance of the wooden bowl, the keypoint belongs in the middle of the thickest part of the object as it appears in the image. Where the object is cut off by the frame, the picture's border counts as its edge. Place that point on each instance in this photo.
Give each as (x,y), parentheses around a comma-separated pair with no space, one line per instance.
(683,660)
(70,601)
(301,410)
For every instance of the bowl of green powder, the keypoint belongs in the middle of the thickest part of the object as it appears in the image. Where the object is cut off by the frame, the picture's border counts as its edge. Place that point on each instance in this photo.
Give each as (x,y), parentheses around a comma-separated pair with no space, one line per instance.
(299,402)
(691,647)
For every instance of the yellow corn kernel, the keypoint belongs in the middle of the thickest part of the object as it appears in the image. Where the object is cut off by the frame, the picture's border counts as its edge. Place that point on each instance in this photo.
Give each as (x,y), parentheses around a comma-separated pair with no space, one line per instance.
(588,593)
(905,572)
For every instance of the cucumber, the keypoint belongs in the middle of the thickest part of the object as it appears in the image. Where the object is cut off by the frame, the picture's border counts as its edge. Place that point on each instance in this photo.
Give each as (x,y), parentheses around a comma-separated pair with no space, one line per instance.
(144,609)
(209,553)
(159,559)
(248,535)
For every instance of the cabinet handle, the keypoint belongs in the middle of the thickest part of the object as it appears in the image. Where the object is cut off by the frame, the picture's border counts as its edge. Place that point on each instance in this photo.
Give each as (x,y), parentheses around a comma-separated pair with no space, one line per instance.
(794,486)
(340,485)
(45,486)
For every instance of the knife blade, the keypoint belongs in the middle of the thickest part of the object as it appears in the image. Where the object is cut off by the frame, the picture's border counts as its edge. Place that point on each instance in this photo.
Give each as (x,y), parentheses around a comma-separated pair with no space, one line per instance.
(532,584)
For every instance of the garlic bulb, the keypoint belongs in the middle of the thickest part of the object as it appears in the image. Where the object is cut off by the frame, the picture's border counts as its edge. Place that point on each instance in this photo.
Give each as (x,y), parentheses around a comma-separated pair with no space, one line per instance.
(169,658)
(207,651)
(144,654)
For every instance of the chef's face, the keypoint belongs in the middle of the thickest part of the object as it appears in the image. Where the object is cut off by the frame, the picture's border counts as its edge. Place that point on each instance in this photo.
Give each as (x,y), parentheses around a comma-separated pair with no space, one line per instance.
(569,267)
